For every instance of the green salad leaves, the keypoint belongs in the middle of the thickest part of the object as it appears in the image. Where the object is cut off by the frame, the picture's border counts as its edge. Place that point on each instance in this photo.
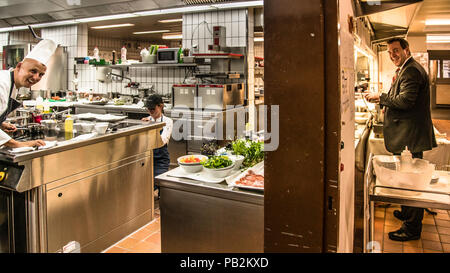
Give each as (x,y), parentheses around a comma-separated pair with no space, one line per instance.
(217,162)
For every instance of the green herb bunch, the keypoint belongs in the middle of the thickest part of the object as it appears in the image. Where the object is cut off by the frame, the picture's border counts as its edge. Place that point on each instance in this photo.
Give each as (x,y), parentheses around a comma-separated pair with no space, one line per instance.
(252,151)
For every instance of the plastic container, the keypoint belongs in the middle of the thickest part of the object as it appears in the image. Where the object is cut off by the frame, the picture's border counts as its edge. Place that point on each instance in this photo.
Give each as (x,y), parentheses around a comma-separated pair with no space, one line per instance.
(389,173)
(40,103)
(68,124)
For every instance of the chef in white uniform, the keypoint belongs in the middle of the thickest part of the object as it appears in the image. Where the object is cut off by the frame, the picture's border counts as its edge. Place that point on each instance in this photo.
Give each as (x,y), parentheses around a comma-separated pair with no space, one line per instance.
(26,74)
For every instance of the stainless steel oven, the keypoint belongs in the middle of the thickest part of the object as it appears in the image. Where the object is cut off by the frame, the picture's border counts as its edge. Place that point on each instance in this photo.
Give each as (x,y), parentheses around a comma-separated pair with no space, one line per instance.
(13,54)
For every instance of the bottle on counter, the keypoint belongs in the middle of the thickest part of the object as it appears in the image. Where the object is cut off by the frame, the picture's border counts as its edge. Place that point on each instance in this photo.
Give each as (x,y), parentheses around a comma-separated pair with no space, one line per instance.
(180,55)
(46,106)
(96,54)
(68,124)
(40,103)
(123,54)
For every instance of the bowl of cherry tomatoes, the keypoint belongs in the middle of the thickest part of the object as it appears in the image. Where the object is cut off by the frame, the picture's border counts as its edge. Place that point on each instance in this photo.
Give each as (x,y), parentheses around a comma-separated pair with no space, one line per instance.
(192,163)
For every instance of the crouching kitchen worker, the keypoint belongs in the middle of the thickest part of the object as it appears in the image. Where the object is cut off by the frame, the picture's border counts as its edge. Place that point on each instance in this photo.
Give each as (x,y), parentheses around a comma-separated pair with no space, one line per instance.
(161,159)
(27,73)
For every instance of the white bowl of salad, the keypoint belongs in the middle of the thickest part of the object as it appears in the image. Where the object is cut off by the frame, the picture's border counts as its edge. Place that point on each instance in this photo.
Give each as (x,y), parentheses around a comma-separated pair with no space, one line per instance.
(218,166)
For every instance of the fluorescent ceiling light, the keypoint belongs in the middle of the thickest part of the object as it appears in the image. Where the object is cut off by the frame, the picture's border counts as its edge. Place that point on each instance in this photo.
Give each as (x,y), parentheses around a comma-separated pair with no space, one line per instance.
(172,36)
(171,20)
(151,31)
(113,26)
(239,4)
(258,39)
(438,39)
(437,22)
(103,18)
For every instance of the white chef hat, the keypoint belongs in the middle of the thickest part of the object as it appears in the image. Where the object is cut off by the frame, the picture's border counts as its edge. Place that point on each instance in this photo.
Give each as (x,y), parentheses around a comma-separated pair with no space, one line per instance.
(42,51)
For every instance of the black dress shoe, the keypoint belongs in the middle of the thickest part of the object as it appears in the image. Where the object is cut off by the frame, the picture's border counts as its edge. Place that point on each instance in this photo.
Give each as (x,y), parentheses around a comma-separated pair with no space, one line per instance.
(398,214)
(402,235)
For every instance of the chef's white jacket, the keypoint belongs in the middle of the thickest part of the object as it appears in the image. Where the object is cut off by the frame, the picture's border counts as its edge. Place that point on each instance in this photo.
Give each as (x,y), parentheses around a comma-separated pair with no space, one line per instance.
(5,87)
(167,129)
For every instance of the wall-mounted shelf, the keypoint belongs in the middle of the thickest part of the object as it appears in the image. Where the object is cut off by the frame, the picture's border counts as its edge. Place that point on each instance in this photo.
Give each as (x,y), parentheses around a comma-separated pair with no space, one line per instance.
(126,66)
(218,55)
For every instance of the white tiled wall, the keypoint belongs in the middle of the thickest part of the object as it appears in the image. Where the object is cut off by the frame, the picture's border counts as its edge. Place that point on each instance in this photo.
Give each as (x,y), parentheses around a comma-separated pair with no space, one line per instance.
(198,27)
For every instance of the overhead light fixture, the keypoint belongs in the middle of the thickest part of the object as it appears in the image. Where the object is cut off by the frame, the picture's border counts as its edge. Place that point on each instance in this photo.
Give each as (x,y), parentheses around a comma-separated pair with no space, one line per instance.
(113,26)
(171,20)
(174,36)
(238,4)
(151,31)
(438,39)
(108,17)
(437,22)
(258,39)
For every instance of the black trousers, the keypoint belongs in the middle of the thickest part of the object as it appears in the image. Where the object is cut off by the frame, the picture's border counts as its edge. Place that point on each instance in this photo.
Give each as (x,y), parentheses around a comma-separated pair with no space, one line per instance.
(413,215)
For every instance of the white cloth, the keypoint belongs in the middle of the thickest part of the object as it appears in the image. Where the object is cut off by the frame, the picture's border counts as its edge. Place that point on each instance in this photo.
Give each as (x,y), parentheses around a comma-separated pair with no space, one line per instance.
(5,87)
(167,129)
(43,51)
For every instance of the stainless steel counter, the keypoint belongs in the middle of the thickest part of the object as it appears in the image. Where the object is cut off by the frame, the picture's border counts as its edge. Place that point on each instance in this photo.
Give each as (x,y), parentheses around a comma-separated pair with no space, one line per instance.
(93,192)
(203,217)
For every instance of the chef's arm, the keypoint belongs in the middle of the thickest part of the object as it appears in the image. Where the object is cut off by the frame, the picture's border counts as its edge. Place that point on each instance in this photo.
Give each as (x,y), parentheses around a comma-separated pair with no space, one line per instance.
(409,90)
(167,132)
(7,141)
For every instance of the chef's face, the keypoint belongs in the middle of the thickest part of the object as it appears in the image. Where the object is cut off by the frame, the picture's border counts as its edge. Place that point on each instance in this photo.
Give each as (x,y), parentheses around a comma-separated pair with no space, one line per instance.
(30,72)
(397,54)
(156,112)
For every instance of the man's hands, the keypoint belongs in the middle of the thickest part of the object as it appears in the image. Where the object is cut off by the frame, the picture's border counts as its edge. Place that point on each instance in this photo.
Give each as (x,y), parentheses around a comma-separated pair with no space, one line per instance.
(8,127)
(146,119)
(372,97)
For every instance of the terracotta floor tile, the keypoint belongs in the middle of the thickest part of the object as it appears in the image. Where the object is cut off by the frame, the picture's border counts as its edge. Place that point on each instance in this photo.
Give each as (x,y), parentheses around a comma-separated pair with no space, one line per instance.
(116,249)
(429,228)
(155,238)
(388,228)
(445,238)
(446,248)
(442,223)
(442,216)
(408,249)
(393,222)
(432,245)
(443,230)
(141,234)
(143,247)
(428,221)
(379,214)
(414,244)
(392,248)
(430,236)
(128,243)
(431,251)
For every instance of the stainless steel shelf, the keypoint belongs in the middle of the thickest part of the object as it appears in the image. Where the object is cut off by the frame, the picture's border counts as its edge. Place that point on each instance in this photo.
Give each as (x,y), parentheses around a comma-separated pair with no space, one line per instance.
(125,66)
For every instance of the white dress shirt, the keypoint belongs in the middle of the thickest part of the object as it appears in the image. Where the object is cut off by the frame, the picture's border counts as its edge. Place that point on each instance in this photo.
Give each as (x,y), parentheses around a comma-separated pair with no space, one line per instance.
(5,87)
(167,129)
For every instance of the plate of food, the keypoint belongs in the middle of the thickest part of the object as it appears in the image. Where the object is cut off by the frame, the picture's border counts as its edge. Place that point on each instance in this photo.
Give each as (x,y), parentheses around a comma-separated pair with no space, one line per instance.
(252,179)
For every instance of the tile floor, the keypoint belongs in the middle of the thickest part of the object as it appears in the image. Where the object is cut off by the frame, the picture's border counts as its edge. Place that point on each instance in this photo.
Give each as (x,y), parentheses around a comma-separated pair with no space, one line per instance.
(435,232)
(145,240)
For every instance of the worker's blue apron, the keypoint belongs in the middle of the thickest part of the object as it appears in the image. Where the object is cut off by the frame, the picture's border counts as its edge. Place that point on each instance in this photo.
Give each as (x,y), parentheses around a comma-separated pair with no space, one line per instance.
(161,159)
(12,103)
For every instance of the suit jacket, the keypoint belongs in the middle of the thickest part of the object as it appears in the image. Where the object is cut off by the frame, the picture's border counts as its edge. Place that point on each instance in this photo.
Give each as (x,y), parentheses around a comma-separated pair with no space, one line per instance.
(407,119)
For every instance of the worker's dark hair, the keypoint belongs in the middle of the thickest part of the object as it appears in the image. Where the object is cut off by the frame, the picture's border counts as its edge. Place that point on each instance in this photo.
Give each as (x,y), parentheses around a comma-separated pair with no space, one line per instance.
(153,100)
(403,43)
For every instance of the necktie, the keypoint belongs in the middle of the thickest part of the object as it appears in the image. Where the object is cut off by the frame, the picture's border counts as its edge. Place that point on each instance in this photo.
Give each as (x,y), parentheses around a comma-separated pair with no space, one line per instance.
(396,75)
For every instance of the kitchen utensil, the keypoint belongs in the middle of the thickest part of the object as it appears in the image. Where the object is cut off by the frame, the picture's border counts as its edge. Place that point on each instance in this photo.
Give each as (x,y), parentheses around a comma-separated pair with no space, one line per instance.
(101,127)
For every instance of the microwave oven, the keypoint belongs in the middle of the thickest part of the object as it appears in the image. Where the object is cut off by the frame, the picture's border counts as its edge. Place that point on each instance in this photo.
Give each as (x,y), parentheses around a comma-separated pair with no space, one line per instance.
(167,55)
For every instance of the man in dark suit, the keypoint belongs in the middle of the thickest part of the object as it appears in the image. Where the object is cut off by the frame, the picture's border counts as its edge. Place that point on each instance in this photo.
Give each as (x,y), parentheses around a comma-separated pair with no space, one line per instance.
(407,123)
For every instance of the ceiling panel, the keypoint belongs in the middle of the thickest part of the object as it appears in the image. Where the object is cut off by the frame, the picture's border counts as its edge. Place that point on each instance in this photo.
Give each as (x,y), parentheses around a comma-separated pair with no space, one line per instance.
(30,8)
(430,9)
(72,4)
(140,5)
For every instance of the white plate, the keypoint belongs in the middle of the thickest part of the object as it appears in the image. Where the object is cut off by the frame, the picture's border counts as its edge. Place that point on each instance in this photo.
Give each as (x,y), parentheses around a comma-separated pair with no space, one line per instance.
(257,169)
(200,176)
